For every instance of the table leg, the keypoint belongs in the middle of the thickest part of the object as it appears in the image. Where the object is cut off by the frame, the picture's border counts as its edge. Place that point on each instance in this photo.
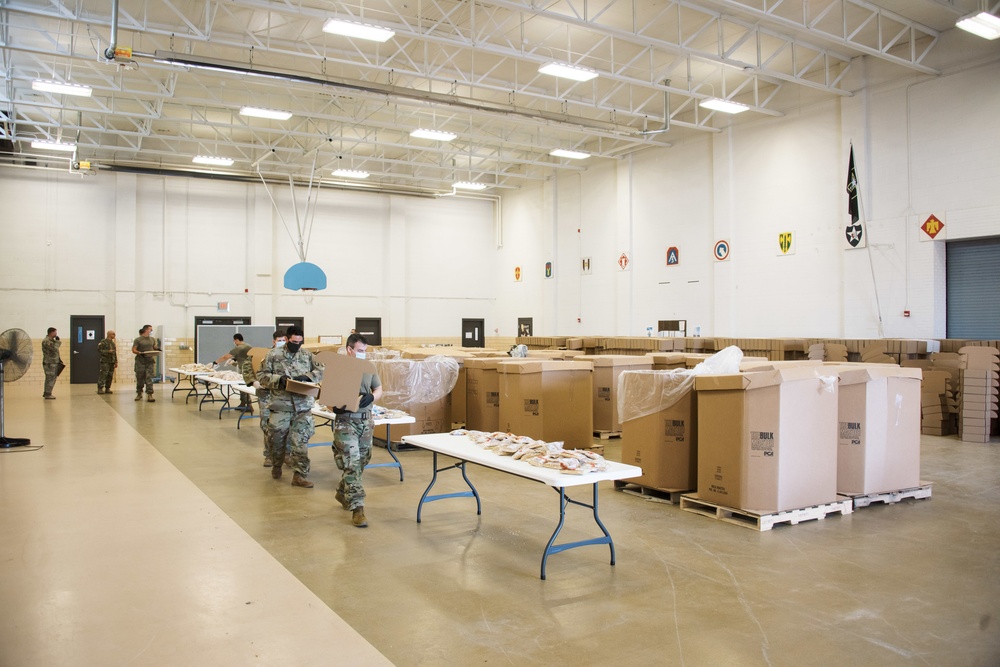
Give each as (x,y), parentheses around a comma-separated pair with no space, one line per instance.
(244,415)
(552,548)
(388,446)
(460,494)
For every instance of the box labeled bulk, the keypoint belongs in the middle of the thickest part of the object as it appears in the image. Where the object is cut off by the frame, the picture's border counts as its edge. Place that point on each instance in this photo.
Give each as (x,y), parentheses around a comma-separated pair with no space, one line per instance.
(664,443)
(879,430)
(483,394)
(548,400)
(767,440)
(607,368)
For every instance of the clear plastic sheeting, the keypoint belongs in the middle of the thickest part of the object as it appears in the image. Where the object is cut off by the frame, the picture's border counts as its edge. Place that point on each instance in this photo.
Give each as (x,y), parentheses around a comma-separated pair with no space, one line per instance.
(658,390)
(409,382)
(519,351)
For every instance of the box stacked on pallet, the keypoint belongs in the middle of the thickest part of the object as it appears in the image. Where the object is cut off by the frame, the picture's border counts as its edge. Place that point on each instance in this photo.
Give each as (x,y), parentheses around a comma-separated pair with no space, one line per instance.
(876,353)
(938,408)
(981,369)
(607,368)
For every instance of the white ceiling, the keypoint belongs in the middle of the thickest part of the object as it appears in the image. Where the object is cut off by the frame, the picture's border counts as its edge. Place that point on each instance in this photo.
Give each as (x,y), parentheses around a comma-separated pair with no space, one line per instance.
(467,67)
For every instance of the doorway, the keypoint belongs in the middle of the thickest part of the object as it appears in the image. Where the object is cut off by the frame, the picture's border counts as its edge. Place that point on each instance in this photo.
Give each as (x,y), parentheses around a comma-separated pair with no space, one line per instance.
(370,328)
(282,323)
(473,334)
(85,332)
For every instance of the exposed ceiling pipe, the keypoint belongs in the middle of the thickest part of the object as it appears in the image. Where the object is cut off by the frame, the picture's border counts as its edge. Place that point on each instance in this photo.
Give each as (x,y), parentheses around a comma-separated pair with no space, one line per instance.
(666,113)
(109,52)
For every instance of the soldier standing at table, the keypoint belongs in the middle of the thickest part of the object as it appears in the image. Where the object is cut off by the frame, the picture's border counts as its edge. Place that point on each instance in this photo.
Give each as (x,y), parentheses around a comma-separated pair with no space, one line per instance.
(352,438)
(50,361)
(278,340)
(240,354)
(145,364)
(109,362)
(290,420)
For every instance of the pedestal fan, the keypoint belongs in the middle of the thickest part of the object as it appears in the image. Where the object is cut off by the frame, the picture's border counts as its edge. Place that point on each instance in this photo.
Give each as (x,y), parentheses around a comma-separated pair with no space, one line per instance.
(15,358)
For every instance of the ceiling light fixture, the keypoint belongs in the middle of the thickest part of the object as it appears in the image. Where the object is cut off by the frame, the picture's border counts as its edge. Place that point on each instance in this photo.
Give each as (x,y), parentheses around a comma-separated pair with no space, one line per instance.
(983,24)
(61,88)
(469,185)
(53,146)
(725,106)
(564,71)
(436,135)
(572,155)
(367,31)
(213,161)
(351,173)
(260,112)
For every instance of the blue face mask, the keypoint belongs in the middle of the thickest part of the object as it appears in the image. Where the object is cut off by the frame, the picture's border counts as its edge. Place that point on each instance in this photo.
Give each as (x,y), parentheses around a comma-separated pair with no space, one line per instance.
(359,355)
(279,343)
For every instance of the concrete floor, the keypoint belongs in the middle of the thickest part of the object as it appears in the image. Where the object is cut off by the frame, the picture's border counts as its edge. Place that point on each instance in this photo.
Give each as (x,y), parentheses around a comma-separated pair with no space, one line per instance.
(150,534)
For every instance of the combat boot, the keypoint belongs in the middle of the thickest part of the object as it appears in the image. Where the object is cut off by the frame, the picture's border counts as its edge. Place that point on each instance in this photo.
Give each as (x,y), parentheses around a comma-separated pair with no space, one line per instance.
(267,463)
(358,519)
(276,472)
(100,391)
(138,396)
(299,480)
(108,391)
(342,500)
(151,399)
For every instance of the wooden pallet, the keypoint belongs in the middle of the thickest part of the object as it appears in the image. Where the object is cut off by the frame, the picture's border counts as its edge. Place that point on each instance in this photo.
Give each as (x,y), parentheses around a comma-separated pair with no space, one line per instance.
(652,494)
(691,503)
(889,497)
(607,435)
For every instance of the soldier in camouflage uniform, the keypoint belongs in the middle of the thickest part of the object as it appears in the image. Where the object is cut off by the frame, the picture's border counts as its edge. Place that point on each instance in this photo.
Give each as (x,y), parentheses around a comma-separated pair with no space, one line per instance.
(145,364)
(50,361)
(109,362)
(289,418)
(352,438)
(278,340)
(240,354)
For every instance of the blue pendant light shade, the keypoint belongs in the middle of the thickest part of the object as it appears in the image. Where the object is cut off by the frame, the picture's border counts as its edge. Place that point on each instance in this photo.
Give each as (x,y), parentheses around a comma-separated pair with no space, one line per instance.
(305,276)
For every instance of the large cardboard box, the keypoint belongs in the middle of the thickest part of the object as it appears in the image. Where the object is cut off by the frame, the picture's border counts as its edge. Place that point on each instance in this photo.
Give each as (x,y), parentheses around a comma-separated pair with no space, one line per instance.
(767,440)
(664,444)
(607,368)
(342,377)
(879,430)
(430,418)
(548,400)
(483,394)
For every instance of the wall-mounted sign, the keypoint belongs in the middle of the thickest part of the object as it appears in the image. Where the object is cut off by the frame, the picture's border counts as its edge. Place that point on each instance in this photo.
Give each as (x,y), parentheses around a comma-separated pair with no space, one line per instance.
(932,228)
(786,244)
(585,265)
(548,269)
(721,250)
(673,256)
(517,274)
(623,261)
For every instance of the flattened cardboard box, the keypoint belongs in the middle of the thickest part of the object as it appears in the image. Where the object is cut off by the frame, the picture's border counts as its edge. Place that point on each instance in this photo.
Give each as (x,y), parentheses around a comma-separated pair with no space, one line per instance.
(767,441)
(341,380)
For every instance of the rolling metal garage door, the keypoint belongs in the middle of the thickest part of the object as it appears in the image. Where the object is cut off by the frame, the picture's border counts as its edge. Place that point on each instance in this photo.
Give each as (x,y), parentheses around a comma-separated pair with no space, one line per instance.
(973,289)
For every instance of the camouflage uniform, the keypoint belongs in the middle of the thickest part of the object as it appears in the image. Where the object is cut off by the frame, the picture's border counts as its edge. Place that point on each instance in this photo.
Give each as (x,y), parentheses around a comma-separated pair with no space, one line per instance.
(241,358)
(50,363)
(109,360)
(352,446)
(145,364)
(289,420)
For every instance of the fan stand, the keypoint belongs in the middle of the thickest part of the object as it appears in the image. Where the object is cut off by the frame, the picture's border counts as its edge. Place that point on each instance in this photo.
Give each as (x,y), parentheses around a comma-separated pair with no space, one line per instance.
(6,442)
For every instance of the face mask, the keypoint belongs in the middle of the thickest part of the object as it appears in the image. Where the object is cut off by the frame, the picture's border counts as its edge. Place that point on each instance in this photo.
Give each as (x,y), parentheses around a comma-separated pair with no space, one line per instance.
(279,343)
(359,355)
(293,347)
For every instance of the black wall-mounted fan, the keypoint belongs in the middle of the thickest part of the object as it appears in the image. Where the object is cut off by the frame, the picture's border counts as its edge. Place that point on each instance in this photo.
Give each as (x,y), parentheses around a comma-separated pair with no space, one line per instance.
(15,359)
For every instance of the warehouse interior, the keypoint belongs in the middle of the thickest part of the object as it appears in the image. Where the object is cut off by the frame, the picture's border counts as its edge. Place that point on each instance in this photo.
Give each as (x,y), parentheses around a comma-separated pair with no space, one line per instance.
(586,208)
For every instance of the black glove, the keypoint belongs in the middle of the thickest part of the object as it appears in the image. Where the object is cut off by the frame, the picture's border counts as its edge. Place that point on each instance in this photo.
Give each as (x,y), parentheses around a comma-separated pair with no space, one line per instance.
(57,337)
(341,411)
(302,378)
(366,400)
(282,382)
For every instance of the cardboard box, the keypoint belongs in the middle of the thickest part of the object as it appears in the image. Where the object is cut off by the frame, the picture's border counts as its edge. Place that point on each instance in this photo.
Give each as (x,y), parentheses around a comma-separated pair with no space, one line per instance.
(879,430)
(304,388)
(430,418)
(483,394)
(607,368)
(341,380)
(548,400)
(664,444)
(767,440)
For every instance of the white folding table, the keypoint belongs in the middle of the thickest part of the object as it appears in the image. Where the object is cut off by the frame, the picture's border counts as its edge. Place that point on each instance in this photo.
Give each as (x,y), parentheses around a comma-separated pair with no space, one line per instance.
(466,451)
(191,387)
(226,390)
(330,417)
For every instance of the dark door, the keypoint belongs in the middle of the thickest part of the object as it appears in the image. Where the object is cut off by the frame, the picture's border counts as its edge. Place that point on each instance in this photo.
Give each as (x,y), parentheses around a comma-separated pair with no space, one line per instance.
(524,326)
(282,323)
(473,334)
(370,328)
(85,332)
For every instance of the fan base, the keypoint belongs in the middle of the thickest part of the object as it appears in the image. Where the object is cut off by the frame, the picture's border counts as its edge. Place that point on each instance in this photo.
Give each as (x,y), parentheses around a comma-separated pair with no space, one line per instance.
(14,442)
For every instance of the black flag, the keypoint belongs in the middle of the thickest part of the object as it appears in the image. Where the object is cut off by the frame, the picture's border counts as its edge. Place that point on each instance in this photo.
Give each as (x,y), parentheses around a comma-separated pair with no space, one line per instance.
(854,232)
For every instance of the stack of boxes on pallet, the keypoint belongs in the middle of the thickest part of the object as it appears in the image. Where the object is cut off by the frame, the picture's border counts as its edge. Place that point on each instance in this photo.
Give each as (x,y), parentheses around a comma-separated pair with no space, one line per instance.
(938,407)
(979,392)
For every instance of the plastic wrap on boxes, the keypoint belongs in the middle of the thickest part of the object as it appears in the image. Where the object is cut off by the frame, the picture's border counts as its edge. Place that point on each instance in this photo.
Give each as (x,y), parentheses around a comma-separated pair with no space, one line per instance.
(670,386)
(408,382)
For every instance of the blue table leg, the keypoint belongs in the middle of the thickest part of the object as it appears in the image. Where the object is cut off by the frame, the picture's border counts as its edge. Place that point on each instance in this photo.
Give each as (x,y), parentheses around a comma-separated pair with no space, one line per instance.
(244,415)
(461,494)
(552,548)
(388,446)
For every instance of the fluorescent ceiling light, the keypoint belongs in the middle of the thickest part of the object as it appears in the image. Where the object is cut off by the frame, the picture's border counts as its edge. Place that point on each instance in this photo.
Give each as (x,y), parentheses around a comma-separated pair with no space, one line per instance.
(260,112)
(568,71)
(61,88)
(351,173)
(213,161)
(983,24)
(572,155)
(725,106)
(373,33)
(436,135)
(468,185)
(53,146)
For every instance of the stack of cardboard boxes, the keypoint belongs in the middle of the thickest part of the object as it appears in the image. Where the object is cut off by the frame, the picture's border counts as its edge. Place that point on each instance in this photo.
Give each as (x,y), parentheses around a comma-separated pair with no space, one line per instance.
(938,408)
(607,368)
(981,369)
